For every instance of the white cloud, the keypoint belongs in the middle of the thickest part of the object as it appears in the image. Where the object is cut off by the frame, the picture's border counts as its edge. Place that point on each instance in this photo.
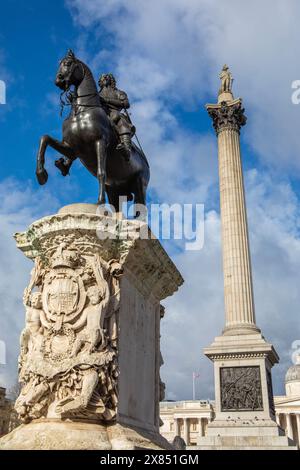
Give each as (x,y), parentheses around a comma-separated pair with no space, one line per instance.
(193,317)
(20,205)
(182,169)
(176,48)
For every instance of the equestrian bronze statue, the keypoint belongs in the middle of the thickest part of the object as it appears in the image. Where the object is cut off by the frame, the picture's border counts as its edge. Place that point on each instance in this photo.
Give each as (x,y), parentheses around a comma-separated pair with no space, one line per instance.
(99,134)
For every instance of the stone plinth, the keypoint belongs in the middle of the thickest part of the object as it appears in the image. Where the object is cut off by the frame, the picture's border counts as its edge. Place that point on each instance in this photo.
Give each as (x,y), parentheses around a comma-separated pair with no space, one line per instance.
(90,350)
(244,407)
(243,384)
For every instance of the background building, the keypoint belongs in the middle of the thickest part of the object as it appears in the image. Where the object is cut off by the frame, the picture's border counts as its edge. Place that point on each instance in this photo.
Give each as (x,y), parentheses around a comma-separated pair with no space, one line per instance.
(189,419)
(288,407)
(7,414)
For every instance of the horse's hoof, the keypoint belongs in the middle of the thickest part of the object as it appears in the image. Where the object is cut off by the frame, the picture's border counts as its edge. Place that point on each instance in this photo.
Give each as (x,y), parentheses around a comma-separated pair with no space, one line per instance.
(42,176)
(60,164)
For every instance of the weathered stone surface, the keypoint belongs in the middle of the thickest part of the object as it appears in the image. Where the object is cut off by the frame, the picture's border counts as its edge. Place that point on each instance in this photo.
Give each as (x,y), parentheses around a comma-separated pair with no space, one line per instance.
(57,435)
(60,435)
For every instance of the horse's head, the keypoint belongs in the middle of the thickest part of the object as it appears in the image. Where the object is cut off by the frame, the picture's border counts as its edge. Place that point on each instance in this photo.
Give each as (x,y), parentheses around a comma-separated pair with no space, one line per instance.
(70,72)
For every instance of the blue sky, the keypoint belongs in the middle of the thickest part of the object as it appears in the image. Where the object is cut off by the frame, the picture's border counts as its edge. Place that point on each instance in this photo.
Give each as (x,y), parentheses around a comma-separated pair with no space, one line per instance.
(33,40)
(167,56)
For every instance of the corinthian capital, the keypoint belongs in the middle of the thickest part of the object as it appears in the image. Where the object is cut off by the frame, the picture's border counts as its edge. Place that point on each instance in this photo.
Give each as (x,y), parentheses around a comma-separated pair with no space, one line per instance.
(227,116)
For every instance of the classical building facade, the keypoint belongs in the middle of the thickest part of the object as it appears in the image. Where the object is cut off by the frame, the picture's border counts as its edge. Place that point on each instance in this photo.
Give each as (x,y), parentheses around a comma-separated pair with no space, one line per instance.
(288,406)
(189,419)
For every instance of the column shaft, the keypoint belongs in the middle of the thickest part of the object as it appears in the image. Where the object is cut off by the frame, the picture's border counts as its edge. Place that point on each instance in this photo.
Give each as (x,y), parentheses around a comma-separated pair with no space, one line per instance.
(185,431)
(238,291)
(200,427)
(176,427)
(289,428)
(298,427)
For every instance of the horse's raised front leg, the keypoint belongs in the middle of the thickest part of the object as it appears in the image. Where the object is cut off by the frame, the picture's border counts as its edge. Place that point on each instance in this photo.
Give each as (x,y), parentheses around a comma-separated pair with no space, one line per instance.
(101,153)
(61,147)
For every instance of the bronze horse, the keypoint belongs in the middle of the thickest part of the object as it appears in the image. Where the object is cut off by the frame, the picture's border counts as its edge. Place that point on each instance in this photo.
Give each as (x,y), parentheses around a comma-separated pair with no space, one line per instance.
(89,135)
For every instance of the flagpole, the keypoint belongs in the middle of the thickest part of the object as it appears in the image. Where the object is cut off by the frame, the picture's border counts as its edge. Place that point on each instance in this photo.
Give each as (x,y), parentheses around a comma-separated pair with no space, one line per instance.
(194,386)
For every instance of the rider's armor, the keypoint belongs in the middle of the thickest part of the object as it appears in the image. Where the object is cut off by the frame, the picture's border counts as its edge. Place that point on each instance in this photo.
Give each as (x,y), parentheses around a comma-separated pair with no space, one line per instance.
(114,101)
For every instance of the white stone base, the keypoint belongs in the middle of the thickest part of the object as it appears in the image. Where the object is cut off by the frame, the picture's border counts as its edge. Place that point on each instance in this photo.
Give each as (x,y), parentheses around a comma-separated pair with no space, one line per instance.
(68,435)
(237,351)
(245,443)
(264,435)
(238,429)
(244,428)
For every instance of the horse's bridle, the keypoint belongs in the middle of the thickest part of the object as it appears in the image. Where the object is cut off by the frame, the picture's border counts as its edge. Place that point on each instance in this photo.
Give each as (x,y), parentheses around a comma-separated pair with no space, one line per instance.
(67,80)
(68,101)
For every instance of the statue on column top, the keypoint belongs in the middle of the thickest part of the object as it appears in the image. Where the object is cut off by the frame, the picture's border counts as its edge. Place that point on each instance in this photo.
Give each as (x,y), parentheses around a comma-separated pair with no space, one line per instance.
(226,80)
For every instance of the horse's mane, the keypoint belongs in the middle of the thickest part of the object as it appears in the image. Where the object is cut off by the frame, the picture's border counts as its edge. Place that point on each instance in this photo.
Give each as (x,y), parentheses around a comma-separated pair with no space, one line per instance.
(87,72)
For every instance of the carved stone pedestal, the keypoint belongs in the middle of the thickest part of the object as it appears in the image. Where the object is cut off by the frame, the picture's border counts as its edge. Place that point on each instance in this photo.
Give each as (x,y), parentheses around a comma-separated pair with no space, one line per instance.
(90,350)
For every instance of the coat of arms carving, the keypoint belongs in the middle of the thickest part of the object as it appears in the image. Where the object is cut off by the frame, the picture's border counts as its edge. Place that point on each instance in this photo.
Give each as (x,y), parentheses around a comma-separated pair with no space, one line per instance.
(64,296)
(68,361)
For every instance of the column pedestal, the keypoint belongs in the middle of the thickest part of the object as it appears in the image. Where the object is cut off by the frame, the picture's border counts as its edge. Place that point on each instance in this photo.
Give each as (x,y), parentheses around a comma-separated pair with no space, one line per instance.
(90,350)
(244,408)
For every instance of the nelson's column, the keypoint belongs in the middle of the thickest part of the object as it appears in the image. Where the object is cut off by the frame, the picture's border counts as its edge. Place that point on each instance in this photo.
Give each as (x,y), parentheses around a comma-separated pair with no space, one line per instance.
(242,357)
